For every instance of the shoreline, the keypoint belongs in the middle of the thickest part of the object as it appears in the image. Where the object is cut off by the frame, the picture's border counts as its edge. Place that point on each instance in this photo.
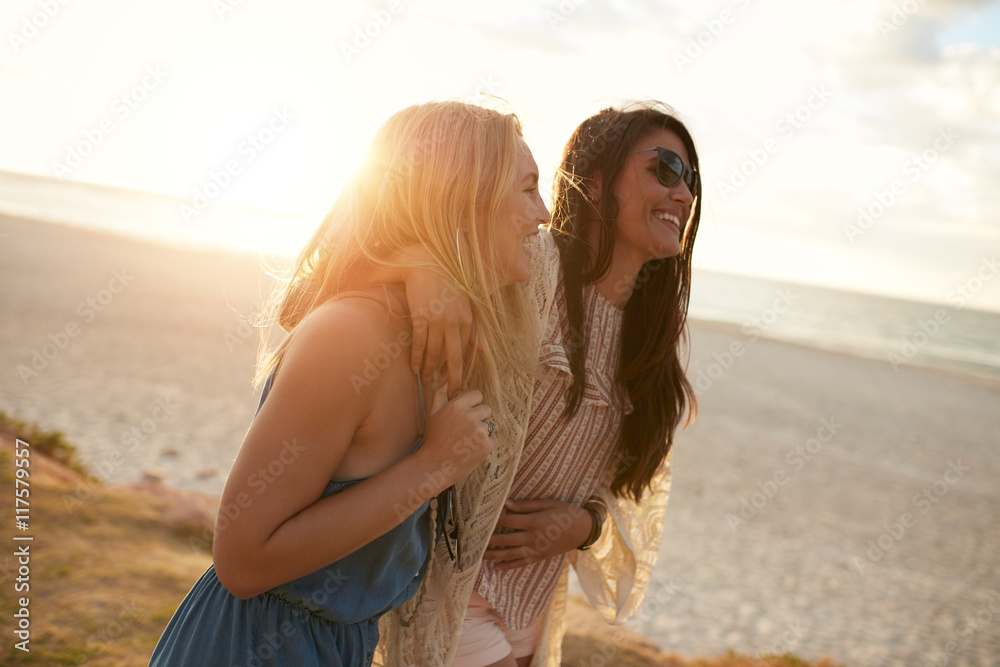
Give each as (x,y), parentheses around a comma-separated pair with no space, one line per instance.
(981,378)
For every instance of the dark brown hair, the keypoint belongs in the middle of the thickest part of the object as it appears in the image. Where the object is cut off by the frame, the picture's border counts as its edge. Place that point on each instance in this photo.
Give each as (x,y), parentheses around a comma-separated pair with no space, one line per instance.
(654,324)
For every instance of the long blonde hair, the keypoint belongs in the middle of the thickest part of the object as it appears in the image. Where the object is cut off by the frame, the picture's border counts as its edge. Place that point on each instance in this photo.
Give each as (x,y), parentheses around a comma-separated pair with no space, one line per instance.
(436,175)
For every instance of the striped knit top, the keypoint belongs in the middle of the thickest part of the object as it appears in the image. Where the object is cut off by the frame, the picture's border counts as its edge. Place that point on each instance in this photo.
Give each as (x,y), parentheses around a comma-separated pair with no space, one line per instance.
(561,460)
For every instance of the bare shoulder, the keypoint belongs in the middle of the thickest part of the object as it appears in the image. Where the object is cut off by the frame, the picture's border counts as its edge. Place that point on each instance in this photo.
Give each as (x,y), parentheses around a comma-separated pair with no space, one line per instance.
(339,341)
(355,317)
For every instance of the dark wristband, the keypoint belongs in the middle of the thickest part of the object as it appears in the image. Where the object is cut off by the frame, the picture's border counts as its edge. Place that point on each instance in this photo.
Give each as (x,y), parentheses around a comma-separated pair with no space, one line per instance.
(595,528)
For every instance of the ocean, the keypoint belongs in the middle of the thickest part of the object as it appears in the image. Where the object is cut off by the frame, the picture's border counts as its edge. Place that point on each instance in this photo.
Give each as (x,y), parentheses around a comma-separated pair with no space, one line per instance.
(953,335)
(898,331)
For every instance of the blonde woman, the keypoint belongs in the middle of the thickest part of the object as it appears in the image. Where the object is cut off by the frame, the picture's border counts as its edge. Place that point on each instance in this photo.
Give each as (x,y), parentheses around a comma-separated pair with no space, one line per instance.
(340,487)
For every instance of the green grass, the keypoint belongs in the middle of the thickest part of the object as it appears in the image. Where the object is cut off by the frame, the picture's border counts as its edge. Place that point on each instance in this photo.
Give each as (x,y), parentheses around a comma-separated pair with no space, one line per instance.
(106,573)
(51,443)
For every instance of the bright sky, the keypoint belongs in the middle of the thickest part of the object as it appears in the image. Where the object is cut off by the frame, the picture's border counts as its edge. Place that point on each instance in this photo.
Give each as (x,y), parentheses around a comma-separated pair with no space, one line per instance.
(805,112)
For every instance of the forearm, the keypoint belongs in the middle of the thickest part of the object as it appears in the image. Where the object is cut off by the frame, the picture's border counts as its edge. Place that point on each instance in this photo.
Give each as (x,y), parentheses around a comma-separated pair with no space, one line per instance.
(331,528)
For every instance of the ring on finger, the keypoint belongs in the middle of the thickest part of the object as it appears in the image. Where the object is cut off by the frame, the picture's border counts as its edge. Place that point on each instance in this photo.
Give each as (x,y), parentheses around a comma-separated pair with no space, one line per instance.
(490,426)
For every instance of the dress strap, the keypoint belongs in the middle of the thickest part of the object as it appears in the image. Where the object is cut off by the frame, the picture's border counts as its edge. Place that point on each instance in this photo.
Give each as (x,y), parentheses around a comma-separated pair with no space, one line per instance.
(420,395)
(401,301)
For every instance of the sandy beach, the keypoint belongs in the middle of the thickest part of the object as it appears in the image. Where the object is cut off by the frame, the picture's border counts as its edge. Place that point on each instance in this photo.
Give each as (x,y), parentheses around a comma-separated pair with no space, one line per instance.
(823,505)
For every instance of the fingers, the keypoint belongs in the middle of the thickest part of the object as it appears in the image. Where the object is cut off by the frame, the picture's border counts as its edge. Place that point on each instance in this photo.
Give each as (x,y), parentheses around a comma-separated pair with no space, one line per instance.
(511,553)
(457,334)
(520,538)
(432,352)
(453,350)
(516,521)
(532,504)
(472,339)
(470,399)
(440,399)
(454,368)
(482,413)
(465,401)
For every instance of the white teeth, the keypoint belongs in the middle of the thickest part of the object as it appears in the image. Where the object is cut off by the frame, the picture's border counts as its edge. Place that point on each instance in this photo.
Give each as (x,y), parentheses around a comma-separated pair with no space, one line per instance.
(669,218)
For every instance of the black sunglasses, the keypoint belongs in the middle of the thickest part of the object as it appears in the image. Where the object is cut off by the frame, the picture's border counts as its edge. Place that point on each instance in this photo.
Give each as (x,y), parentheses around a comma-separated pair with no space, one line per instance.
(670,169)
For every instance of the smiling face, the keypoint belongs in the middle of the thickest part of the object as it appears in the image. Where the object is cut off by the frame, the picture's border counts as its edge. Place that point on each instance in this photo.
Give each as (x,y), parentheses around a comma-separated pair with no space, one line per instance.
(651,216)
(518,220)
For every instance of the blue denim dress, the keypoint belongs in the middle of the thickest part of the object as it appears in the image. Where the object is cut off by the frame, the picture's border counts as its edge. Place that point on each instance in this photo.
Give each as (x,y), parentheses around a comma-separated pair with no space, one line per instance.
(329,617)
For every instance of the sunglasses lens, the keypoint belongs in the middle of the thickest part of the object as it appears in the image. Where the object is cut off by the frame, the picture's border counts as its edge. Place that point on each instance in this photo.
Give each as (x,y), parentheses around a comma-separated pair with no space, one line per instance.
(669,168)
